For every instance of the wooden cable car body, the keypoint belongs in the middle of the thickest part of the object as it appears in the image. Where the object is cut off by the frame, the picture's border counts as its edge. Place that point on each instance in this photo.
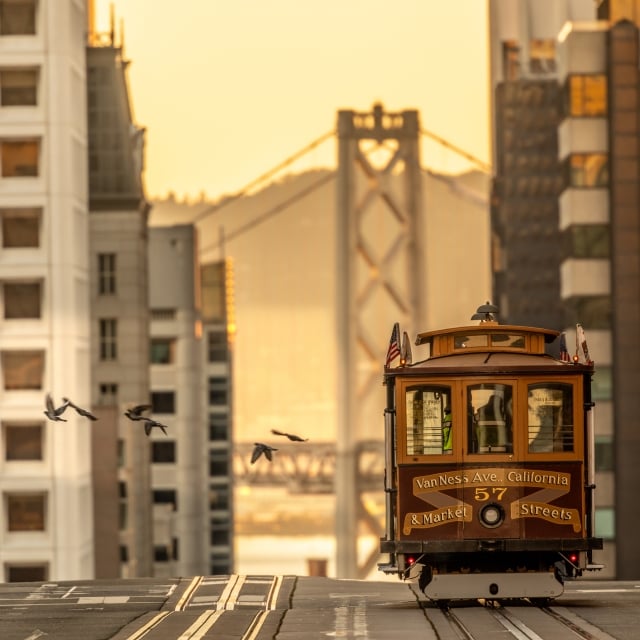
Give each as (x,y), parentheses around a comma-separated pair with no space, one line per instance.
(489,465)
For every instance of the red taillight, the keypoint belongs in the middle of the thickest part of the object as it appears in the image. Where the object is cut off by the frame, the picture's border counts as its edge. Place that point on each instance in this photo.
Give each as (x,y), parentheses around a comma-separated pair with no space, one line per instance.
(410,560)
(574,558)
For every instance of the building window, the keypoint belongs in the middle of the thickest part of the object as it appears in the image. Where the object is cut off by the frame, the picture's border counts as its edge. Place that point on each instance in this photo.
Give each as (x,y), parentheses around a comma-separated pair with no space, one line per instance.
(165,496)
(23,442)
(605,523)
(220,564)
(216,346)
(219,463)
(106,273)
(27,572)
(218,427)
(220,531)
(21,300)
(124,553)
(218,387)
(20,158)
(17,17)
(587,241)
(163,451)
(163,350)
(108,339)
(218,497)
(121,453)
(22,370)
(586,95)
(588,170)
(601,388)
(18,87)
(604,453)
(108,393)
(161,553)
(26,512)
(163,401)
(20,228)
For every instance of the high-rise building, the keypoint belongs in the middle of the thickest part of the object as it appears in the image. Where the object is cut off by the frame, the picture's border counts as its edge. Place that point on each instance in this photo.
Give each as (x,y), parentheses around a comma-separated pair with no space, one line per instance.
(191,395)
(46,528)
(526,109)
(119,316)
(595,53)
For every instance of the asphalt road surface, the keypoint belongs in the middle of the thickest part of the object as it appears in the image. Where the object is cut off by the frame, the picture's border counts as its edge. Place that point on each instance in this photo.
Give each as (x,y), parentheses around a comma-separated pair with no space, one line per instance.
(302,608)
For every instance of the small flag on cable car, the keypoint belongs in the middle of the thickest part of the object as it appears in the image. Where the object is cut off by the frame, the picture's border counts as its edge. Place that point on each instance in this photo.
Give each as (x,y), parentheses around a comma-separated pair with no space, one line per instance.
(564,352)
(581,339)
(405,355)
(394,345)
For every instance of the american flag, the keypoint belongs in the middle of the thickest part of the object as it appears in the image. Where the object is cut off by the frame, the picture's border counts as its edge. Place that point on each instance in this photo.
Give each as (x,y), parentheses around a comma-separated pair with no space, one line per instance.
(394,345)
(564,352)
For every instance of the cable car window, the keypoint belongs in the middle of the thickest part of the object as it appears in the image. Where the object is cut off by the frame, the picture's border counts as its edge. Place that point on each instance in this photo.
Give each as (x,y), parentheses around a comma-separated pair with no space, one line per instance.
(429,420)
(464,341)
(511,340)
(490,418)
(550,407)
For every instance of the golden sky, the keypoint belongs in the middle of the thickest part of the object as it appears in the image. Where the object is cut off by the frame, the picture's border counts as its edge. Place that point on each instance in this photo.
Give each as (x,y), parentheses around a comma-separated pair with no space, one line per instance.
(229,90)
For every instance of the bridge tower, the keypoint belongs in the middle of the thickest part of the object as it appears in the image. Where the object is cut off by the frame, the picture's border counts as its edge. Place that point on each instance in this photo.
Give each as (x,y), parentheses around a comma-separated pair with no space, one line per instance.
(379,242)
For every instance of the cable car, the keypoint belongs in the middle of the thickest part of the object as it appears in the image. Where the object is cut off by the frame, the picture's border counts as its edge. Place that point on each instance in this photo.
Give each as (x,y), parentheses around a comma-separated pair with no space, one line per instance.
(489,463)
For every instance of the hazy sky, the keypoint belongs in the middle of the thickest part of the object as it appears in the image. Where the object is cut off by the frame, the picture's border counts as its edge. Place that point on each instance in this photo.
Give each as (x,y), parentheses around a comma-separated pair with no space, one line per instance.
(228,90)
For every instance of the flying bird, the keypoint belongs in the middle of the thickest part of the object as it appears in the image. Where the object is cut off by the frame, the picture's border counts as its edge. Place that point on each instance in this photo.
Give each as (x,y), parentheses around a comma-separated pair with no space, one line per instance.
(261,448)
(149,424)
(51,412)
(135,413)
(291,436)
(79,410)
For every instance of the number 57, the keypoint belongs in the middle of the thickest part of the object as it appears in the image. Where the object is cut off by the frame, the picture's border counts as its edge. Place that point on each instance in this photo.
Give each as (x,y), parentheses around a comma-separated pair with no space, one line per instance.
(484,493)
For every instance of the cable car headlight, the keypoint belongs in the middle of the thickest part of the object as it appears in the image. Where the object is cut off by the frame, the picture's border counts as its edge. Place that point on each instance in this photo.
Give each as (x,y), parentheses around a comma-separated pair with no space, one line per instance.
(491,515)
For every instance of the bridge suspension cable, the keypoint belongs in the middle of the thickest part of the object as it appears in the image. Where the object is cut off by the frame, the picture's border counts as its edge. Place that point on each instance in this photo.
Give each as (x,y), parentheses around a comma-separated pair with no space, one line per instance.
(483,166)
(272,212)
(265,176)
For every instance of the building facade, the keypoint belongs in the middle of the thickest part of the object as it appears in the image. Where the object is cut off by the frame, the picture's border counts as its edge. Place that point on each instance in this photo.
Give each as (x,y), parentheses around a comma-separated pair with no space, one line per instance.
(597,230)
(119,317)
(45,467)
(191,394)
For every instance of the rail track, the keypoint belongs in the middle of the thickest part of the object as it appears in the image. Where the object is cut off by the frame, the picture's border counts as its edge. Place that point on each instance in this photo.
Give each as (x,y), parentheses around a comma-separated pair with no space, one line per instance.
(523,621)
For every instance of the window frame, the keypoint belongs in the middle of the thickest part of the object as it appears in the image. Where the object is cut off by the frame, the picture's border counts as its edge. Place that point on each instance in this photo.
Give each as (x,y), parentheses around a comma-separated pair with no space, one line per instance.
(29,11)
(20,158)
(108,336)
(34,299)
(459,387)
(13,427)
(169,346)
(580,96)
(33,216)
(18,82)
(107,273)
(40,519)
(37,354)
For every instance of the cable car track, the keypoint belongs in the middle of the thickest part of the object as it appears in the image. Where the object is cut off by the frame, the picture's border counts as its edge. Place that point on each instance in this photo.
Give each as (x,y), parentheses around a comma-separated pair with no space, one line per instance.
(522,623)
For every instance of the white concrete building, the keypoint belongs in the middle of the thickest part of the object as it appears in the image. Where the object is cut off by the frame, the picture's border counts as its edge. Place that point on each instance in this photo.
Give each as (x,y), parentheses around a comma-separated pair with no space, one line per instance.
(178,457)
(46,528)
